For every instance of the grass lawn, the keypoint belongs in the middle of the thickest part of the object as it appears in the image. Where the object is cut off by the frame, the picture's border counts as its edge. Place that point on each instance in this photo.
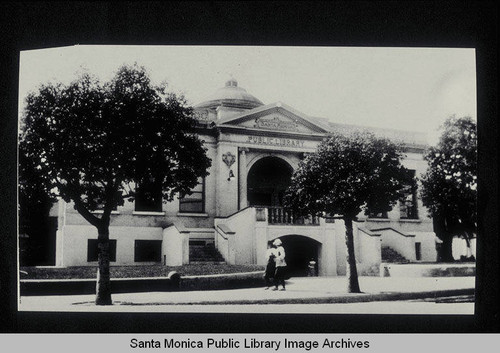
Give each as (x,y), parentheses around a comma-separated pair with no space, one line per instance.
(135,271)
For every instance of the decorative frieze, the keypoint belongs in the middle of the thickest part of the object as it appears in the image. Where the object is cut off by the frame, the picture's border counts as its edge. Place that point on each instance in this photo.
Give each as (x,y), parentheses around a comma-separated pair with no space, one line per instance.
(275,123)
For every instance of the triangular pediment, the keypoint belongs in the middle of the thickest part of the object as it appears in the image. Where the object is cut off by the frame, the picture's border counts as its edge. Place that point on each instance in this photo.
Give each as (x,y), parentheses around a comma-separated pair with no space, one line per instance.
(275,117)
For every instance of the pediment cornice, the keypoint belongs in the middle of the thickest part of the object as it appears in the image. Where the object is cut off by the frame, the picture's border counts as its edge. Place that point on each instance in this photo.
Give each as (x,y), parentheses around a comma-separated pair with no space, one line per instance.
(275,117)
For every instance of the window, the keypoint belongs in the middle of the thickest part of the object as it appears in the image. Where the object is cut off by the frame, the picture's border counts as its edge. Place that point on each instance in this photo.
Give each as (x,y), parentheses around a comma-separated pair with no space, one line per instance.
(100,207)
(92,250)
(194,203)
(377,215)
(149,197)
(408,203)
(147,251)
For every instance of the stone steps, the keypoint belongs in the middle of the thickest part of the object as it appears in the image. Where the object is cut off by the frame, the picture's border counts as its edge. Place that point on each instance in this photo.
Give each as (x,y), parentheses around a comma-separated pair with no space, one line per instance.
(391,255)
(204,253)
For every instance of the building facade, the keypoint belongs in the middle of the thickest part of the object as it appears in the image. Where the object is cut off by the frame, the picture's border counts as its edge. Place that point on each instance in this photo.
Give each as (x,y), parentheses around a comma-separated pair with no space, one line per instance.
(237,208)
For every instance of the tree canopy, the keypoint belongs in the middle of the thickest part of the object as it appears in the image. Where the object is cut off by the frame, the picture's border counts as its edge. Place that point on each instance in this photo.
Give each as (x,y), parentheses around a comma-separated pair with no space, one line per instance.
(346,175)
(88,140)
(349,174)
(449,186)
(91,143)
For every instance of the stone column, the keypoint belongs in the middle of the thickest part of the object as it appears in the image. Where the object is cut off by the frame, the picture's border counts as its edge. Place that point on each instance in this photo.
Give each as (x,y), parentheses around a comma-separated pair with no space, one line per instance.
(242,175)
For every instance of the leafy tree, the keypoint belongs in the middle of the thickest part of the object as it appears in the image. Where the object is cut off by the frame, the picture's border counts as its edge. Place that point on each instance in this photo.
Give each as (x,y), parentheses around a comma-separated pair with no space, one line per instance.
(348,174)
(90,143)
(449,184)
(34,207)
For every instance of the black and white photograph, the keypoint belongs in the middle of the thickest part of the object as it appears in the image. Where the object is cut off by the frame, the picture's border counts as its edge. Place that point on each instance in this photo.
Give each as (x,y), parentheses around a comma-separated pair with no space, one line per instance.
(264,176)
(248,178)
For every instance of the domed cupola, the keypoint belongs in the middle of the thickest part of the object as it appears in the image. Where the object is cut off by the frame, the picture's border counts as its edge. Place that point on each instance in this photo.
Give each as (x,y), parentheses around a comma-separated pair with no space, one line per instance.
(230,96)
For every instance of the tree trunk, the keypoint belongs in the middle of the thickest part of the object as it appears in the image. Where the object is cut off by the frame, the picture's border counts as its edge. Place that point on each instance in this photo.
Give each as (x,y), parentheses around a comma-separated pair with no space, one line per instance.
(352,272)
(103,286)
(442,230)
(447,248)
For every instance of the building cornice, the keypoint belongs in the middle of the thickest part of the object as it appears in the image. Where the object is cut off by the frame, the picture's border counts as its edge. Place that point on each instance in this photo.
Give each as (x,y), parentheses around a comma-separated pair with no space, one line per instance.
(242,130)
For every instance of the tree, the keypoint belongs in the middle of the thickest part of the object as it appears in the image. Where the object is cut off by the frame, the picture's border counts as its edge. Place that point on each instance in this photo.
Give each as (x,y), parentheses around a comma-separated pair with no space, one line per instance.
(91,143)
(449,184)
(348,174)
(34,208)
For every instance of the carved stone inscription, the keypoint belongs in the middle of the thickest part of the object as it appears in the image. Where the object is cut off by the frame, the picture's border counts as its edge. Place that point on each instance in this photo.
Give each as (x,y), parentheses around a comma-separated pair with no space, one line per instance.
(275,141)
(275,123)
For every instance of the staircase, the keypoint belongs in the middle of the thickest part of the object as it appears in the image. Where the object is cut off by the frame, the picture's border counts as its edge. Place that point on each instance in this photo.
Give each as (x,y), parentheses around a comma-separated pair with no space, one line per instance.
(391,255)
(200,252)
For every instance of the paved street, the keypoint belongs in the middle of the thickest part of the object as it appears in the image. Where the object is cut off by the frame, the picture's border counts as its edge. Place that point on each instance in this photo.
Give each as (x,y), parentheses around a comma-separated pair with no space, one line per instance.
(303,295)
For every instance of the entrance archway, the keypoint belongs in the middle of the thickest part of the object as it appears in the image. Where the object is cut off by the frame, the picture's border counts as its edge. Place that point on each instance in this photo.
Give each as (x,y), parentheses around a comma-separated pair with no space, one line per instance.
(299,251)
(267,181)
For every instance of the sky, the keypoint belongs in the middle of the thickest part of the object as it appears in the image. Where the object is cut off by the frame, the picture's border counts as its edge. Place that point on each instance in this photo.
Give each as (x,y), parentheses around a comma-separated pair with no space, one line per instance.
(412,89)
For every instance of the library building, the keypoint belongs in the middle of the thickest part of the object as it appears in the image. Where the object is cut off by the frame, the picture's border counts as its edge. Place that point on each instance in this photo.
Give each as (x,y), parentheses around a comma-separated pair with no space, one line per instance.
(235,211)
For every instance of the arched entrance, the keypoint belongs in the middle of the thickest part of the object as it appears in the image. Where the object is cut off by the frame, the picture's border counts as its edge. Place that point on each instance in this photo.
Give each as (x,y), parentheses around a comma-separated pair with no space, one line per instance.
(299,251)
(267,181)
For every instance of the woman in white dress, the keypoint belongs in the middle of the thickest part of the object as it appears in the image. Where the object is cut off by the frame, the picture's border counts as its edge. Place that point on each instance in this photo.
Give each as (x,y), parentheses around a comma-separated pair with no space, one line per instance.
(280,274)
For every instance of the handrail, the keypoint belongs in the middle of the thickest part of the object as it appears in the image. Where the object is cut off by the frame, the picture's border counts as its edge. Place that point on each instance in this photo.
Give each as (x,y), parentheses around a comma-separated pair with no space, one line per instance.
(220,231)
(233,214)
(394,230)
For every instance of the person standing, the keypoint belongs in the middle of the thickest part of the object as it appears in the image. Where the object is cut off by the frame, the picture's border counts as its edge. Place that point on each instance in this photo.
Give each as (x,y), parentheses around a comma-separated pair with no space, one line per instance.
(271,264)
(280,274)
(312,268)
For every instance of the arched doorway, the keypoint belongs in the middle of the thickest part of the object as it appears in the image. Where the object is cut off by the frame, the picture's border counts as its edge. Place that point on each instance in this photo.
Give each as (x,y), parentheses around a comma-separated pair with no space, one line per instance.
(267,181)
(299,251)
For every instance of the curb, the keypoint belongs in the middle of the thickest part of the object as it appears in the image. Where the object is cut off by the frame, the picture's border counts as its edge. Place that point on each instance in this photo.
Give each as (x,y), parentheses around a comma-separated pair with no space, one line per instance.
(347,298)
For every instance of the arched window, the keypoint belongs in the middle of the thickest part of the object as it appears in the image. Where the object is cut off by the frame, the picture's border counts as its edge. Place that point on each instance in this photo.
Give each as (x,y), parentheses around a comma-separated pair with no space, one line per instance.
(267,181)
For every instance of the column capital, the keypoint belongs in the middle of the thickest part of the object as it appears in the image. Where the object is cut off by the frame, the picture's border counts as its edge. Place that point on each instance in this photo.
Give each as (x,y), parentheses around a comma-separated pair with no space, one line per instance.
(243,149)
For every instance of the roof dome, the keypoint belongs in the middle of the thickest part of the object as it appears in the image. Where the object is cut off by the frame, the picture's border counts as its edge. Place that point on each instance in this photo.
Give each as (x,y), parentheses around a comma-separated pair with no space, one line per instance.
(231,96)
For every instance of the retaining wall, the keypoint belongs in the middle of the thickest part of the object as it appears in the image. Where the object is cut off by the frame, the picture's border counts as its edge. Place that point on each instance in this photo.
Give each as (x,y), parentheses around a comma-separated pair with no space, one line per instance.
(174,282)
(427,270)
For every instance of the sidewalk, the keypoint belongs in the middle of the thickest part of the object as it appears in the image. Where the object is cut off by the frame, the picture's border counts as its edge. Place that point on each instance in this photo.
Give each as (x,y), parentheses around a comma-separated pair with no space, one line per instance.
(301,290)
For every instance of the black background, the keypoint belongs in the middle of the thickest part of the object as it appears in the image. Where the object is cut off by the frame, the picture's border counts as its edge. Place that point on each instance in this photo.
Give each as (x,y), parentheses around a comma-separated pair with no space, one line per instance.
(36,25)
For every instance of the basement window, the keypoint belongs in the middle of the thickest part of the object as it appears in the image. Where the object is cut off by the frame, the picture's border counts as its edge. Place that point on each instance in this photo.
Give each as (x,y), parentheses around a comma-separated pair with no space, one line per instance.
(147,251)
